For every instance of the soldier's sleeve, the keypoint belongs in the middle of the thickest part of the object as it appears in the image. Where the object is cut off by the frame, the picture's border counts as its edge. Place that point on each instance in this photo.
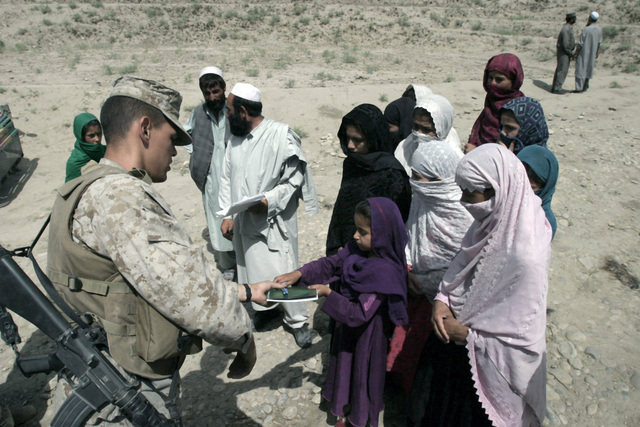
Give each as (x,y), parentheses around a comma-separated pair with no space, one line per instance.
(290,181)
(155,255)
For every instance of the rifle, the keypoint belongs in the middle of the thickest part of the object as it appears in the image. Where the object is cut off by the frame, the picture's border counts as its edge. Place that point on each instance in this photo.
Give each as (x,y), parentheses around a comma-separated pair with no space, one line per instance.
(79,350)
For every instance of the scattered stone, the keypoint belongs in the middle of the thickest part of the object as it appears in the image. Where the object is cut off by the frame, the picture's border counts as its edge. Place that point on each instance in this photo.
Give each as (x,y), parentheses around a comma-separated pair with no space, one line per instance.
(316,399)
(576,363)
(553,417)
(266,408)
(592,409)
(566,349)
(290,413)
(551,394)
(613,109)
(591,380)
(576,336)
(562,376)
(590,351)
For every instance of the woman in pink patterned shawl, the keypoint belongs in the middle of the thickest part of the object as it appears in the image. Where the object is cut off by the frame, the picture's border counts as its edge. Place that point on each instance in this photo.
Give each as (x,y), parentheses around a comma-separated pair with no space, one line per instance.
(492,302)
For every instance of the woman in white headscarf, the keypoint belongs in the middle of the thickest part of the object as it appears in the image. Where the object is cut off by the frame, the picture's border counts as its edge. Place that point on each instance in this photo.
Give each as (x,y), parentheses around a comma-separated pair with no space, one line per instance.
(436,225)
(432,121)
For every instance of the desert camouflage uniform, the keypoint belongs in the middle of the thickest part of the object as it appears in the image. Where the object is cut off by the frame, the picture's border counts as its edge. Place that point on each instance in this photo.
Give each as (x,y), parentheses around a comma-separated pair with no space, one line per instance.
(126,220)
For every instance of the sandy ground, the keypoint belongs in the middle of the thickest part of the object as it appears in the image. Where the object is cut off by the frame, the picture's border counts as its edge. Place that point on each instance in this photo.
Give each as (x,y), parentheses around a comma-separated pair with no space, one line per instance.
(314,62)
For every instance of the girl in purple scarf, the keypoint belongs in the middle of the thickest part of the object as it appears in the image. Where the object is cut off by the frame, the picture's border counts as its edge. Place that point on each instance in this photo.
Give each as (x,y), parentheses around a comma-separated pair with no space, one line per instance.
(372,298)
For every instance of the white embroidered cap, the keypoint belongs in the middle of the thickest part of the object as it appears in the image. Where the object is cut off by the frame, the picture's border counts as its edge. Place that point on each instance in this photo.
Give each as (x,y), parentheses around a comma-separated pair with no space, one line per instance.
(594,16)
(211,70)
(246,91)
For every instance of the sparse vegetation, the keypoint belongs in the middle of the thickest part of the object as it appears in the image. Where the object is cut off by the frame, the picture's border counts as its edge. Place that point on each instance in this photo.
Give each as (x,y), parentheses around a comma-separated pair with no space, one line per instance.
(403,21)
(107,70)
(128,69)
(449,79)
(153,12)
(328,55)
(47,22)
(21,47)
(2,90)
(383,97)
(97,4)
(477,26)
(615,85)
(252,72)
(22,31)
(75,61)
(289,84)
(631,68)
(527,41)
(300,132)
(45,9)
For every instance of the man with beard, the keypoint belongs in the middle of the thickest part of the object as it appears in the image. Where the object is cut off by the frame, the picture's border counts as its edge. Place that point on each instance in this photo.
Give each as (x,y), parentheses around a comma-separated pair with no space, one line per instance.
(564,50)
(208,128)
(265,157)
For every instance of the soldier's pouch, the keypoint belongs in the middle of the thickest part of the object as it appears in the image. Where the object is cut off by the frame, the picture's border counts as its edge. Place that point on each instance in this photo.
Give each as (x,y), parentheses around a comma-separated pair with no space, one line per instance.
(158,338)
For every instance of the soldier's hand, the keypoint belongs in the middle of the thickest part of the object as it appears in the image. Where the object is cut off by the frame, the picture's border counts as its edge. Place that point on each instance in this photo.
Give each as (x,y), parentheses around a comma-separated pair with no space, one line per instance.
(227,229)
(259,290)
(243,364)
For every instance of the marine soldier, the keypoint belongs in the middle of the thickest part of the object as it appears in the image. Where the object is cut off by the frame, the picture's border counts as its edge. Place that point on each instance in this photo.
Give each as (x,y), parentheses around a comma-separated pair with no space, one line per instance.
(118,253)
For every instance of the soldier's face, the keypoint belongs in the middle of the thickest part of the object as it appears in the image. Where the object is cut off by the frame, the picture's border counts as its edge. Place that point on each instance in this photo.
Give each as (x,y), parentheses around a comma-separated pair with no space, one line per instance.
(160,151)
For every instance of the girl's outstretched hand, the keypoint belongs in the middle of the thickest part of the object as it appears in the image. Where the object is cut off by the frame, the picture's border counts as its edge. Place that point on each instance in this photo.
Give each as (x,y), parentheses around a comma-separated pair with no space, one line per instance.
(289,279)
(323,290)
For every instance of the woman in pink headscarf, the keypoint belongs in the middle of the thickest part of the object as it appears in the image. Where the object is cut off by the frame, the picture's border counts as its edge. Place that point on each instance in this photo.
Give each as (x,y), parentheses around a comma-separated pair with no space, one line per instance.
(489,367)
(503,77)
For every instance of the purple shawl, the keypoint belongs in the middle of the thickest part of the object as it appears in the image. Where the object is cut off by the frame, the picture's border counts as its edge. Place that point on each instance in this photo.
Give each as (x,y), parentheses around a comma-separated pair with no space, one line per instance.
(386,272)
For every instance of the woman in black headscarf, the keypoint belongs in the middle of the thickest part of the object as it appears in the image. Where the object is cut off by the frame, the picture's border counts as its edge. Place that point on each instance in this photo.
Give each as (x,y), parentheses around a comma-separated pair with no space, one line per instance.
(370,170)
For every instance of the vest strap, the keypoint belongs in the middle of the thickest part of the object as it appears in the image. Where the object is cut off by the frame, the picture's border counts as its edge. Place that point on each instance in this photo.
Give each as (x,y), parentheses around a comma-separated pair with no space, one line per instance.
(115,329)
(99,287)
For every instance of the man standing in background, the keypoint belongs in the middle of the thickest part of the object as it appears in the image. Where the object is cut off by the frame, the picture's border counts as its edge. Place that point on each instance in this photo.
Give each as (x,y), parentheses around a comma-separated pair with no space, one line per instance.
(587,52)
(208,128)
(564,47)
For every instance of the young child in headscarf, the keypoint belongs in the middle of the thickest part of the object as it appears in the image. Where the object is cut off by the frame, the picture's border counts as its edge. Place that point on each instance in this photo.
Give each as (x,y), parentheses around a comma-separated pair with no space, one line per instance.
(503,77)
(437,222)
(522,123)
(542,169)
(87,147)
(488,366)
(373,296)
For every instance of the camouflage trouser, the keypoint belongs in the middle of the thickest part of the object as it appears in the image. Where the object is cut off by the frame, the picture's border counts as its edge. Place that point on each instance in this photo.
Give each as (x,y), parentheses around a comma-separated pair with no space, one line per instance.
(158,392)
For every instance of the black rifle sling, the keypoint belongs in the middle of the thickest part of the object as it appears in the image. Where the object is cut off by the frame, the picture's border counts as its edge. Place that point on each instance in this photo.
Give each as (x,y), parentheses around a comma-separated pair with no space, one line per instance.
(46,283)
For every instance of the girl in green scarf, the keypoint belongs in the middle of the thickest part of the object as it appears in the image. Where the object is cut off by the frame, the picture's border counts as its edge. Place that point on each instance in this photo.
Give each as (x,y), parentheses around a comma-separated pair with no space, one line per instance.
(88,133)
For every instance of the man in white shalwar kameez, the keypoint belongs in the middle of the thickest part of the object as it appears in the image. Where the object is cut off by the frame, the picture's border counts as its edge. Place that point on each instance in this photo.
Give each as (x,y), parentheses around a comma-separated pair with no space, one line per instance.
(587,51)
(265,157)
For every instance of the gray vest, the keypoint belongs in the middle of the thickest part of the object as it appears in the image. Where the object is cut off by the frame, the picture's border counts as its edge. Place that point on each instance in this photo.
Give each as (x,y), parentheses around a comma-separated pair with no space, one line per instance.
(202,136)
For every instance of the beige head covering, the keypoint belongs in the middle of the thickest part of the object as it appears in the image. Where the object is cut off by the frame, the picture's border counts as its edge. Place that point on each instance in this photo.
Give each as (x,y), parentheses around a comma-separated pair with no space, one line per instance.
(157,95)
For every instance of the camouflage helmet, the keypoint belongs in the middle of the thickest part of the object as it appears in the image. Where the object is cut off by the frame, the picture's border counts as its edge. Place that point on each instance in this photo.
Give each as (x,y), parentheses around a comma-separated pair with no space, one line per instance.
(157,95)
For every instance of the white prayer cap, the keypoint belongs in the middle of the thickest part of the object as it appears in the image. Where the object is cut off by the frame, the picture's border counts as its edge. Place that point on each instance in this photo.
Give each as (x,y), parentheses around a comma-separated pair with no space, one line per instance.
(211,70)
(594,16)
(246,91)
